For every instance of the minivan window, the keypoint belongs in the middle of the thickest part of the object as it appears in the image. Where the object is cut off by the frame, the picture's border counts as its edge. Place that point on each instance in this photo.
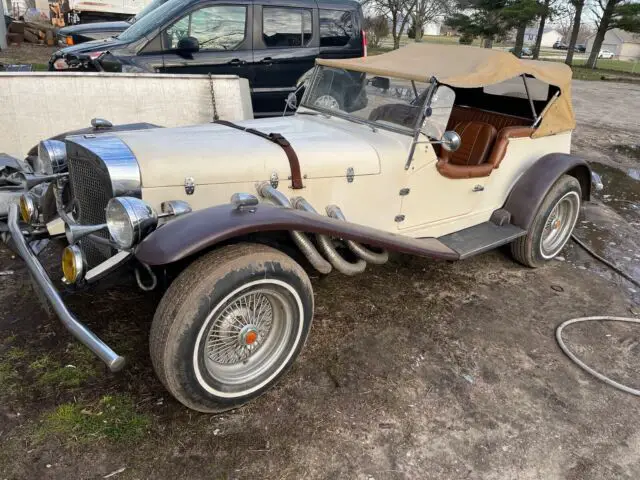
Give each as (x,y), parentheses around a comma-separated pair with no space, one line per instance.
(286,27)
(220,27)
(336,28)
(152,20)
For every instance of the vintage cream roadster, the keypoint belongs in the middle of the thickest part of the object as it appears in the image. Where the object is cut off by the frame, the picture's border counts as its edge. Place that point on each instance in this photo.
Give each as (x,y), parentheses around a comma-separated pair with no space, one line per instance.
(431,150)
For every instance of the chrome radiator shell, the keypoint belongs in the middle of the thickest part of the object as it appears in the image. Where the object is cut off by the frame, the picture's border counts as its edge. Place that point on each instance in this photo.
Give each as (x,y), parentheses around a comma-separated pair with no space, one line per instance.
(100,167)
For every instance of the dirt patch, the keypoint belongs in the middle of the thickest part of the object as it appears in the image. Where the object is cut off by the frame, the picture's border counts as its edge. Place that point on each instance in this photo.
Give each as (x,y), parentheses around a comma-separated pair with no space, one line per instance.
(419,369)
(27,54)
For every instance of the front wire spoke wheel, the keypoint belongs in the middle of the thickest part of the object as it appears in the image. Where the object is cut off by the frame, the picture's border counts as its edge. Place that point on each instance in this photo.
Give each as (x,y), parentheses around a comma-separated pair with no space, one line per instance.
(230,326)
(247,337)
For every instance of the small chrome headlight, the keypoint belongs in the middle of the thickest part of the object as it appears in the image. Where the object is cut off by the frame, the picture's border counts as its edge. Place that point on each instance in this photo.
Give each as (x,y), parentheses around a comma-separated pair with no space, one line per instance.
(129,220)
(72,264)
(28,209)
(52,157)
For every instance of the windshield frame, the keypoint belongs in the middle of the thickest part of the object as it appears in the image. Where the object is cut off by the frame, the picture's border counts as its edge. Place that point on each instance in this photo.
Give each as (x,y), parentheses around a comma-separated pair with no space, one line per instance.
(415,131)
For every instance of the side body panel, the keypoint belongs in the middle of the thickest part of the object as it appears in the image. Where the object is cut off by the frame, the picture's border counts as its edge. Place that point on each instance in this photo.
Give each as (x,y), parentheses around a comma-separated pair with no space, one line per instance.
(437,205)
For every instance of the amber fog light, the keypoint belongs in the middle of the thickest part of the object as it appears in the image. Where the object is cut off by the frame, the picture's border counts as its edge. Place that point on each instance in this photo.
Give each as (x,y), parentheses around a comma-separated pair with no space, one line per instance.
(28,209)
(72,264)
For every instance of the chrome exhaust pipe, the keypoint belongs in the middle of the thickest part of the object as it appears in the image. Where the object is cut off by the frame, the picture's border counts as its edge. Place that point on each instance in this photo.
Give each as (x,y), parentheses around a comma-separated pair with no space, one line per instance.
(326,245)
(369,256)
(265,190)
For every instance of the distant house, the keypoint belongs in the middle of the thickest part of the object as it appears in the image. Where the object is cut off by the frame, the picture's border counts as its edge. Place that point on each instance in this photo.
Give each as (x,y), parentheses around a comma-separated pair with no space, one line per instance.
(549,36)
(624,45)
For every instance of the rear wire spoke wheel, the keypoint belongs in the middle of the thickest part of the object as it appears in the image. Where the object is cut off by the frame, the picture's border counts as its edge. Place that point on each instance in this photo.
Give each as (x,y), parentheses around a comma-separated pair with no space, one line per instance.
(230,326)
(559,225)
(552,225)
(327,101)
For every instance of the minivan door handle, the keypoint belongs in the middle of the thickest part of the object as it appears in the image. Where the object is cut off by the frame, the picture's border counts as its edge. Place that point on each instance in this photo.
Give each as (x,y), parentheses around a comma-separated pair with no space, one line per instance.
(237,61)
(267,60)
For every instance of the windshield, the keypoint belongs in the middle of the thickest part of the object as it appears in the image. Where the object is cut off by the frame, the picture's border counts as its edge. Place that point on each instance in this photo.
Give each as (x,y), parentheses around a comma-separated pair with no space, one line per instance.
(152,20)
(384,102)
(150,6)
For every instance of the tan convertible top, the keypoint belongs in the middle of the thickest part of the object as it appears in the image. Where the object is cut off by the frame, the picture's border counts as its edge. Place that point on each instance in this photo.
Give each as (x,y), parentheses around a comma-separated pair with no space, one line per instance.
(470,67)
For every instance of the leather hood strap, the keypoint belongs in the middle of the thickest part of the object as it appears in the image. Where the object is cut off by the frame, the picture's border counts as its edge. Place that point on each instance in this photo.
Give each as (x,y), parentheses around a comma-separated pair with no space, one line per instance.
(278,139)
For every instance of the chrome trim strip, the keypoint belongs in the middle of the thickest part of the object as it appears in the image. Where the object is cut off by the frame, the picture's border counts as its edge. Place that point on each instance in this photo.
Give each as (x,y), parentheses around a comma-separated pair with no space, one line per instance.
(118,259)
(119,160)
(273,89)
(114,361)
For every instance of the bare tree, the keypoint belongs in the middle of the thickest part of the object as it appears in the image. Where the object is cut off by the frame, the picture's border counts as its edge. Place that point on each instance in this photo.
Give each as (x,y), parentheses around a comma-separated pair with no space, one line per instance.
(613,14)
(398,12)
(544,14)
(577,19)
(377,28)
(427,11)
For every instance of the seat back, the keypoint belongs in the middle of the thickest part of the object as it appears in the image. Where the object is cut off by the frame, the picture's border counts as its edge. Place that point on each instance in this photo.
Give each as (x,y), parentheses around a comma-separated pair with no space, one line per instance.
(498,120)
(477,141)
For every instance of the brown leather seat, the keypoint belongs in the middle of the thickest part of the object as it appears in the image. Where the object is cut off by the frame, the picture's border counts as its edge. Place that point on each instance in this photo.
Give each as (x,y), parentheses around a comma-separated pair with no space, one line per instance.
(470,159)
(477,141)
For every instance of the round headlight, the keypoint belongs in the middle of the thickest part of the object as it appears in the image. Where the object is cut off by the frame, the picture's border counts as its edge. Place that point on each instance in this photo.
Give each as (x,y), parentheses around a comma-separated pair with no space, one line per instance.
(129,220)
(52,157)
(72,264)
(28,209)
(60,64)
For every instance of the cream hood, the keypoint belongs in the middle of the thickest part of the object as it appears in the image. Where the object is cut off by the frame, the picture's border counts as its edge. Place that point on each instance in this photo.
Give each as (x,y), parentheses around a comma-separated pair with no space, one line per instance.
(213,153)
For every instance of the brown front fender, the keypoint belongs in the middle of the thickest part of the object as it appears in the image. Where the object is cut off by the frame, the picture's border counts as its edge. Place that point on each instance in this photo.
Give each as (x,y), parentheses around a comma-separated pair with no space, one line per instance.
(189,234)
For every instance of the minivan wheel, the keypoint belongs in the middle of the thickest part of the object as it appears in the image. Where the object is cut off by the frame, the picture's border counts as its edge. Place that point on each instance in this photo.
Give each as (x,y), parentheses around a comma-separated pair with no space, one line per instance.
(552,225)
(230,326)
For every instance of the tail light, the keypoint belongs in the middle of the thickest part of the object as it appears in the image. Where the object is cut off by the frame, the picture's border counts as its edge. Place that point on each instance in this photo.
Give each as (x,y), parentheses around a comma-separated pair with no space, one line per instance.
(364,42)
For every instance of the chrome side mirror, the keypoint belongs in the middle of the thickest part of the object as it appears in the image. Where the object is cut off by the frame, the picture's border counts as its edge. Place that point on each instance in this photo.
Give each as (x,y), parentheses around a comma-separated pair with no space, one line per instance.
(292,101)
(450,141)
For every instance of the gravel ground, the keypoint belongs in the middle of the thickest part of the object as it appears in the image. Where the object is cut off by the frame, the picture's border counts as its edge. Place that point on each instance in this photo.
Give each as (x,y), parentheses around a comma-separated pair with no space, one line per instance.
(419,369)
(27,53)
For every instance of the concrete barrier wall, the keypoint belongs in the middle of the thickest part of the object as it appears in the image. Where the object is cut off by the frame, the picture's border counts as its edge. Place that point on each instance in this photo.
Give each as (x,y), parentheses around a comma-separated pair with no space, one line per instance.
(38,105)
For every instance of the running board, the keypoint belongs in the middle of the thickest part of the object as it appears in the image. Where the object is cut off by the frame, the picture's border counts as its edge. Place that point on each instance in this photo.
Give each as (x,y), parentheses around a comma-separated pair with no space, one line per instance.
(480,238)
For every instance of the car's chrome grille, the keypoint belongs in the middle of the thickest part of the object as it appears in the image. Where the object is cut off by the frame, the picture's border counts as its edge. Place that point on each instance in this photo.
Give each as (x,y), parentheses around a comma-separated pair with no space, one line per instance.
(91,192)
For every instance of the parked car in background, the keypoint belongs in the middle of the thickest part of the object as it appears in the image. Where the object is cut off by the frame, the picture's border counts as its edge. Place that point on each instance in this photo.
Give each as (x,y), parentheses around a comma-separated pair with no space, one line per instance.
(559,45)
(525,52)
(86,32)
(580,48)
(271,43)
(606,54)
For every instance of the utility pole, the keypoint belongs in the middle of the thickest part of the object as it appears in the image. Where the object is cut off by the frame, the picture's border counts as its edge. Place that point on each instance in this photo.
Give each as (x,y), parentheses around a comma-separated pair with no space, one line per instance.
(3,28)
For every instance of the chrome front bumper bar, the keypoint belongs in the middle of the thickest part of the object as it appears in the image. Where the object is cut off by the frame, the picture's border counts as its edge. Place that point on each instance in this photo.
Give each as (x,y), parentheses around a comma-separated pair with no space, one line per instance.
(114,361)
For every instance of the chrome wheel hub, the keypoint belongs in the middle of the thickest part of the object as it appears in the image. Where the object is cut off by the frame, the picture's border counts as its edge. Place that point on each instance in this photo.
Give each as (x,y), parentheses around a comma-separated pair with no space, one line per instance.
(248,337)
(559,225)
(240,329)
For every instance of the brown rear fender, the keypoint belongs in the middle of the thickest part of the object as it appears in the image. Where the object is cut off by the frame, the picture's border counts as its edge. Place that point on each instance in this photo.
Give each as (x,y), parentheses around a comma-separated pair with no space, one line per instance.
(529,191)
(197,231)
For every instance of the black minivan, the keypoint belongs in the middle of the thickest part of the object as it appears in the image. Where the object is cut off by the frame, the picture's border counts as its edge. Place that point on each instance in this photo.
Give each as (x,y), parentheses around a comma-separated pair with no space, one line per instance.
(272,43)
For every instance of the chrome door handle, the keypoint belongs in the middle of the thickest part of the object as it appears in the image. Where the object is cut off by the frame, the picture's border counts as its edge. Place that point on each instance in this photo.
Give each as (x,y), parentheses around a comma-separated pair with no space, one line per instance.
(478,188)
